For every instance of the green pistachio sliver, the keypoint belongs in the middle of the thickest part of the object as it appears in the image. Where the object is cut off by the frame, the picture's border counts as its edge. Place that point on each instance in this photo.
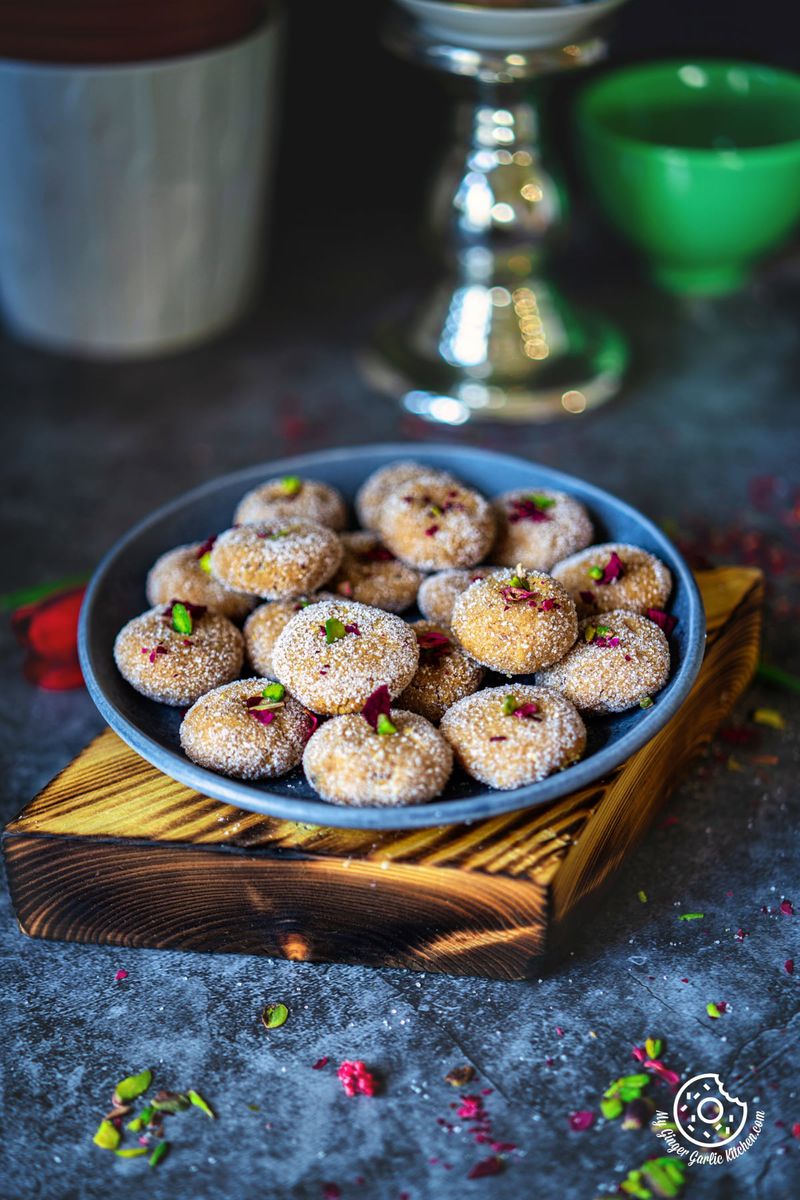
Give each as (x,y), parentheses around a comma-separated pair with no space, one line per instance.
(291,485)
(132,1152)
(589,632)
(540,501)
(334,630)
(157,1155)
(108,1137)
(646,702)
(172,1102)
(690,916)
(274,1015)
(181,619)
(274,691)
(205,562)
(611,1107)
(596,572)
(138,1123)
(510,705)
(198,1101)
(516,581)
(653,1047)
(384,725)
(133,1085)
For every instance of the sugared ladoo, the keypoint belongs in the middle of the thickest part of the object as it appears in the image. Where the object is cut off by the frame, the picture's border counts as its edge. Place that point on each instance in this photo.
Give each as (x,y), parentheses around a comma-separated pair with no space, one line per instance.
(383,756)
(382,483)
(538,527)
(186,572)
(445,673)
(620,659)
(437,593)
(515,622)
(371,574)
(508,737)
(262,627)
(251,729)
(178,652)
(614,575)
(292,496)
(434,524)
(276,561)
(333,655)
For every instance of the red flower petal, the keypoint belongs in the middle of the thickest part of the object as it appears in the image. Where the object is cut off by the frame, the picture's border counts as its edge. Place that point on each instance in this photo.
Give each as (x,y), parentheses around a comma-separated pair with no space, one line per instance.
(488,1166)
(379,704)
(320,1063)
(788,966)
(787,908)
(49,627)
(614,568)
(662,620)
(583,1119)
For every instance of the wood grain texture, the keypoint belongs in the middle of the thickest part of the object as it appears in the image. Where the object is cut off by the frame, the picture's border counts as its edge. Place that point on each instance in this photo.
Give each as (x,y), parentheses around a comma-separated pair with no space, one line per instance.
(113,851)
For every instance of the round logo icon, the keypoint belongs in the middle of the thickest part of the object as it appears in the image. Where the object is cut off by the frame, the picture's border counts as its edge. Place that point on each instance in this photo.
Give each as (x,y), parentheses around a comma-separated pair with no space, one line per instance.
(706,1115)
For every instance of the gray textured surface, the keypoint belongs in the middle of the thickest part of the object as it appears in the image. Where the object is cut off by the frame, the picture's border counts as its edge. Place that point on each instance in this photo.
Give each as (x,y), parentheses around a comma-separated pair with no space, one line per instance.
(88,451)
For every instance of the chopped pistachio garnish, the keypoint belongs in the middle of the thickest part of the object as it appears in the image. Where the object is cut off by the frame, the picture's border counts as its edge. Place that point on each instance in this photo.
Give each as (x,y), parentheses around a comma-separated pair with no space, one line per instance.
(274,691)
(133,1085)
(181,620)
(595,572)
(205,562)
(274,1015)
(198,1101)
(384,725)
(510,705)
(107,1137)
(334,630)
(653,1047)
(291,485)
(540,501)
(589,633)
(132,1152)
(157,1155)
(646,702)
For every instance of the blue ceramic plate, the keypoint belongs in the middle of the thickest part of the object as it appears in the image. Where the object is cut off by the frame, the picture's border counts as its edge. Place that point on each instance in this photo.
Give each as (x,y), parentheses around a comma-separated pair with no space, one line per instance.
(116,593)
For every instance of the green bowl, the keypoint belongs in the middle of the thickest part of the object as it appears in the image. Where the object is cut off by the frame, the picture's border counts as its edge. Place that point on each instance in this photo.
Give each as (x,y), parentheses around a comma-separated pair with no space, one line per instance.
(696,163)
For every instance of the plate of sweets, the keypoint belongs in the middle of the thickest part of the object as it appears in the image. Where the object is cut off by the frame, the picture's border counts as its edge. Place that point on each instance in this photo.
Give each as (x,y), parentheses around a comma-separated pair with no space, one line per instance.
(391,636)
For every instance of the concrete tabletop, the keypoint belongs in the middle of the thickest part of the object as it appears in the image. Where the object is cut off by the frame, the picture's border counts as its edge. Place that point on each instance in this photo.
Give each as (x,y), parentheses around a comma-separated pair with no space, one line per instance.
(711,409)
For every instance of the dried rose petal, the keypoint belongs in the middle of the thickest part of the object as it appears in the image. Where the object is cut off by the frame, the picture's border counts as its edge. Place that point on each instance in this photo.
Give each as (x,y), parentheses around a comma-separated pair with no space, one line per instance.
(206,547)
(262,715)
(353,628)
(527,509)
(548,604)
(787,908)
(431,531)
(663,620)
(376,554)
(528,711)
(515,595)
(582,1119)
(378,704)
(313,722)
(614,568)
(488,1166)
(120,975)
(788,966)
(320,1063)
(432,643)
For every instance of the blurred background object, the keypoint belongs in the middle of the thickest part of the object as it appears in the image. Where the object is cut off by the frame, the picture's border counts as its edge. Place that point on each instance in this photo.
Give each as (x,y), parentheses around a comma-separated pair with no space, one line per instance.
(497,339)
(137,142)
(696,162)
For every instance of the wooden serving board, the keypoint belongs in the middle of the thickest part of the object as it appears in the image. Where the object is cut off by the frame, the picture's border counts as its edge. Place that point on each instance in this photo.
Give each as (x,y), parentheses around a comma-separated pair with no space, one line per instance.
(113,851)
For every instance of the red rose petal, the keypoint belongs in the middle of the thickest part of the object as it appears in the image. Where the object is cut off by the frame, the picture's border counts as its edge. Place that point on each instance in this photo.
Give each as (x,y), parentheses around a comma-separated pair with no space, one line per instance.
(320,1063)
(788,966)
(663,620)
(120,975)
(488,1166)
(379,704)
(614,569)
(787,908)
(582,1119)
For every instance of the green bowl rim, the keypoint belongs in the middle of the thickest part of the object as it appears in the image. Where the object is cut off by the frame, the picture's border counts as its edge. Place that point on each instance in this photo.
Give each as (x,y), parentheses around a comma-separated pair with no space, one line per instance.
(590,123)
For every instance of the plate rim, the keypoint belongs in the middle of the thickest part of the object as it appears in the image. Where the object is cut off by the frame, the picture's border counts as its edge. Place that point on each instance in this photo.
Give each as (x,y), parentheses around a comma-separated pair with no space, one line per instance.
(240,794)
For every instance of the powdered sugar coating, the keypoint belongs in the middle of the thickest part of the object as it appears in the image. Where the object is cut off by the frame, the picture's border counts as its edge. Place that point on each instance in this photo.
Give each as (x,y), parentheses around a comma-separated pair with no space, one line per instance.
(602,678)
(271,501)
(382,483)
(441,678)
(515,636)
(340,676)
(262,627)
(504,751)
(438,593)
(371,579)
(646,581)
(538,536)
(278,560)
(178,573)
(220,733)
(174,668)
(433,524)
(347,762)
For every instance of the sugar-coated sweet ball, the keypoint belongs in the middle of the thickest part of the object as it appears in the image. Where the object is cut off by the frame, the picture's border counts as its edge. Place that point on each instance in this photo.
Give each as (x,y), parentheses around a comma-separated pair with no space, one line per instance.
(508,737)
(251,729)
(176,653)
(515,622)
(371,574)
(292,496)
(262,627)
(332,656)
(186,572)
(276,561)
(538,527)
(614,575)
(433,524)
(438,593)
(620,659)
(445,673)
(349,762)
(384,482)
